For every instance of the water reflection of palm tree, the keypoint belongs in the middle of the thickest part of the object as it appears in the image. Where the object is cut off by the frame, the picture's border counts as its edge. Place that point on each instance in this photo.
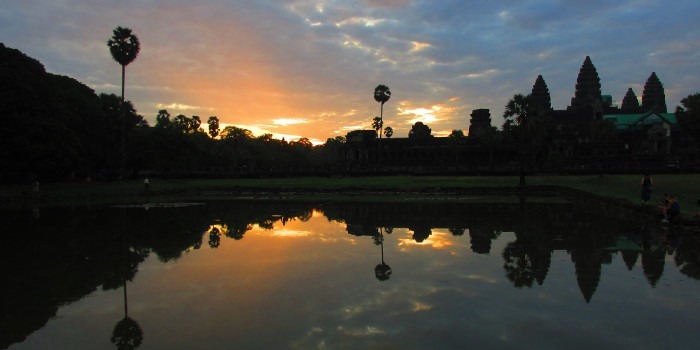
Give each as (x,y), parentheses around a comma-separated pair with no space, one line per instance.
(382,271)
(127,333)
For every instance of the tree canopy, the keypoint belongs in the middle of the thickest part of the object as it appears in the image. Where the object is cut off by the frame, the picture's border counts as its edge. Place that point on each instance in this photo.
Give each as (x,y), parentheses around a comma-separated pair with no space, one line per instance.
(419,131)
(124,45)
(689,115)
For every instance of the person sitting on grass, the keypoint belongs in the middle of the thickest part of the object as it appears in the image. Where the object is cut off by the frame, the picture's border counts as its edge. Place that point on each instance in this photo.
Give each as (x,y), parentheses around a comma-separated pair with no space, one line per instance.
(671,210)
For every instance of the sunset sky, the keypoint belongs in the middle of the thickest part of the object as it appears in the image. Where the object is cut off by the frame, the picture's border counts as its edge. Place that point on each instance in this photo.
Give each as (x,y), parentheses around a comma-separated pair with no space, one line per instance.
(308,68)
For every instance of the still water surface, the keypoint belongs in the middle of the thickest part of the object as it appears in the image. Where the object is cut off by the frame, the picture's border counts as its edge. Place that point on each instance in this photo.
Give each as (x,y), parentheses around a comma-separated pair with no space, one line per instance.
(266,275)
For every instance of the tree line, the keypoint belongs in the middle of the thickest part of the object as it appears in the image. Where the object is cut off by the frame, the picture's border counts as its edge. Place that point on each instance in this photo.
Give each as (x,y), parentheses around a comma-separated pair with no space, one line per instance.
(54,126)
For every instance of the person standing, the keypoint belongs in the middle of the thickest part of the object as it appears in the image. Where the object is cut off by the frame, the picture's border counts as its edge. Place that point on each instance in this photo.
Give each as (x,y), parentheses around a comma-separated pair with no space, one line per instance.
(647,185)
(147,185)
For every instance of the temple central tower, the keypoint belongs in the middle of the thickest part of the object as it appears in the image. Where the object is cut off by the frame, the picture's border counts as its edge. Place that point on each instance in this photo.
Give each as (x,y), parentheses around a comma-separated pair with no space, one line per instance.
(587,99)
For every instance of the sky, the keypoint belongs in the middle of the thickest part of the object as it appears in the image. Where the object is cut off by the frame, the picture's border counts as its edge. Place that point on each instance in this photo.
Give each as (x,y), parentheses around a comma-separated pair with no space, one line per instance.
(308,68)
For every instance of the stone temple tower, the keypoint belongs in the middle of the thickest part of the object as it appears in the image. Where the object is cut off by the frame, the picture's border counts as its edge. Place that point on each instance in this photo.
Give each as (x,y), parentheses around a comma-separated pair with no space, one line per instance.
(587,100)
(480,122)
(630,104)
(654,97)
(541,100)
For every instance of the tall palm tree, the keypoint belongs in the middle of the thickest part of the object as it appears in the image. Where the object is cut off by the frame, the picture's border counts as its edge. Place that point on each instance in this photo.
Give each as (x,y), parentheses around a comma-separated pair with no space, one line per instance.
(381,95)
(124,47)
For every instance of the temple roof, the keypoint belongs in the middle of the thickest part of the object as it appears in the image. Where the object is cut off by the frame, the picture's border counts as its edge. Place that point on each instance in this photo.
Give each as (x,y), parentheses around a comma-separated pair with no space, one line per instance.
(628,121)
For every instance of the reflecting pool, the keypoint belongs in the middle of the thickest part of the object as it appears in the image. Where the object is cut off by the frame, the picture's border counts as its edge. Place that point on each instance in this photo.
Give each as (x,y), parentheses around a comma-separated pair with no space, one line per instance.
(251,274)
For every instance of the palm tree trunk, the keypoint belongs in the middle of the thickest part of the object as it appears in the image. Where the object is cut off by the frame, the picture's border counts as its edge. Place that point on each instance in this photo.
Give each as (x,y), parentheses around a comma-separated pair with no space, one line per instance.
(123,113)
(381,131)
(381,120)
(522,172)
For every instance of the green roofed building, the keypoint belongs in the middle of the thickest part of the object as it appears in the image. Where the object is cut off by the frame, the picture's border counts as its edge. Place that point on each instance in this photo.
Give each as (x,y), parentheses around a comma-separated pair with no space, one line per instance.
(646,133)
(639,121)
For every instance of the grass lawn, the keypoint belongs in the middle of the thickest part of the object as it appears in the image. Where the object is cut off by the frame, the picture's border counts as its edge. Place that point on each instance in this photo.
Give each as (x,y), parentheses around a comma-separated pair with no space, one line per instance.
(685,186)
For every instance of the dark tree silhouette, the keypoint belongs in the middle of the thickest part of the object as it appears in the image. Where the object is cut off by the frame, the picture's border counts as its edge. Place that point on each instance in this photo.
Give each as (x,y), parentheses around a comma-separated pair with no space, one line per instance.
(388,132)
(163,119)
(127,334)
(518,265)
(214,238)
(517,110)
(377,125)
(689,116)
(420,131)
(213,126)
(382,271)
(457,141)
(516,115)
(421,233)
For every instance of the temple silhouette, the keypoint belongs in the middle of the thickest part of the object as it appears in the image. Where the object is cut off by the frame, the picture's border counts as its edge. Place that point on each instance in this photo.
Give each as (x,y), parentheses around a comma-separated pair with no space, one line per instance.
(591,134)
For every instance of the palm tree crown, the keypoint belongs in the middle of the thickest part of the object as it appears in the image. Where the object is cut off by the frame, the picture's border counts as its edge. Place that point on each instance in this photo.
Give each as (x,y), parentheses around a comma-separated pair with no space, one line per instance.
(377,124)
(518,109)
(124,46)
(382,93)
(389,132)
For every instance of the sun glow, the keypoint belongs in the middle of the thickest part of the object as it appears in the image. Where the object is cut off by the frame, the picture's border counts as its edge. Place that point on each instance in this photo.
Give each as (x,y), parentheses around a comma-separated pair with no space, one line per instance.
(425,115)
(290,233)
(419,46)
(178,107)
(289,121)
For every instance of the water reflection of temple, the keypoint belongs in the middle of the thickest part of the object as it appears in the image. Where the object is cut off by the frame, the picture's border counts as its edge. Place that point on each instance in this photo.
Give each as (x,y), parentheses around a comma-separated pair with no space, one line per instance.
(590,238)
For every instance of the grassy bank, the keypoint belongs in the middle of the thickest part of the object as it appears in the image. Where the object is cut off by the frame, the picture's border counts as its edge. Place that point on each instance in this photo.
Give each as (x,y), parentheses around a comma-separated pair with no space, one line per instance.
(627,187)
